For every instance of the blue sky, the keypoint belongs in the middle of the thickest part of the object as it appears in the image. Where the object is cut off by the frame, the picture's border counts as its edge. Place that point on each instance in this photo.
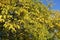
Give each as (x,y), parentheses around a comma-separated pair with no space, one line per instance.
(56,5)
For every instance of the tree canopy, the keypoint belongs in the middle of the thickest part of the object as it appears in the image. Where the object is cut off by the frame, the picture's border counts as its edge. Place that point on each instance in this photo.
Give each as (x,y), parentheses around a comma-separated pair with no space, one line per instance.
(28,20)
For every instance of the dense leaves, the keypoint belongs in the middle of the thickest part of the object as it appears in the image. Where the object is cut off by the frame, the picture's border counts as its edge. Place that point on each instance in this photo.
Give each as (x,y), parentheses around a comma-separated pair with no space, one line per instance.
(28,20)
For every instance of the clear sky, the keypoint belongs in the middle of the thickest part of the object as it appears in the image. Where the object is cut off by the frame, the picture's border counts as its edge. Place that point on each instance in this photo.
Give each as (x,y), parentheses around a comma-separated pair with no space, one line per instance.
(56,5)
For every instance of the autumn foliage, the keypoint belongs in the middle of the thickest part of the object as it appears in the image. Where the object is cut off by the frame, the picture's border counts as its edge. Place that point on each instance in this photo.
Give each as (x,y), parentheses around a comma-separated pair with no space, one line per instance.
(28,20)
